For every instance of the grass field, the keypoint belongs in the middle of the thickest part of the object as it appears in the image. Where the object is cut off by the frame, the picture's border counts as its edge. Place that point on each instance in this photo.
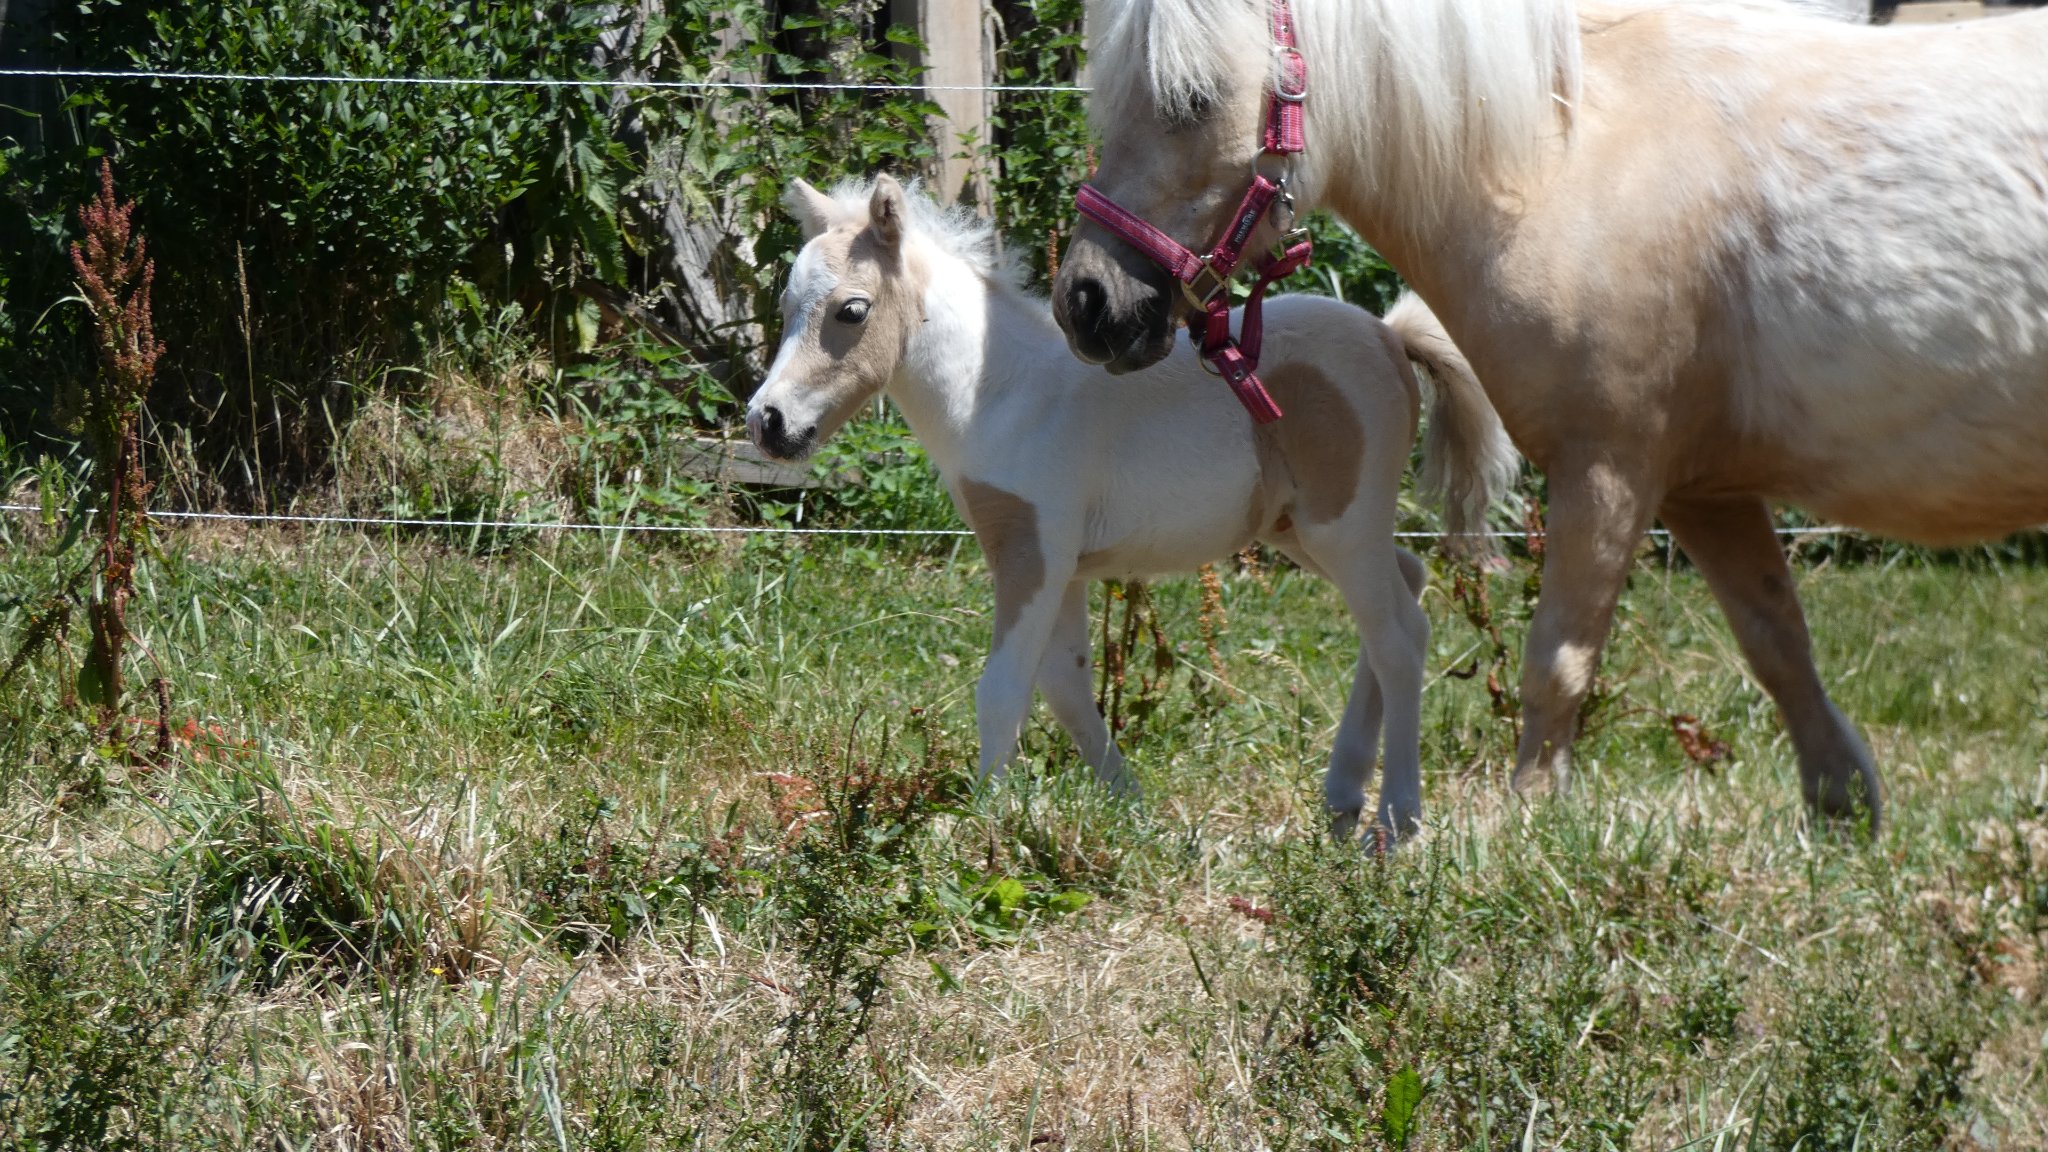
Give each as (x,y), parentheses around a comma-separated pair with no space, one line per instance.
(619,845)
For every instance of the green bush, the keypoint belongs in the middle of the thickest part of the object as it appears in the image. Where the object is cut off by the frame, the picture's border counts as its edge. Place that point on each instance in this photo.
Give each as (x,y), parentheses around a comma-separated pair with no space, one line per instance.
(299,226)
(95,1032)
(316,241)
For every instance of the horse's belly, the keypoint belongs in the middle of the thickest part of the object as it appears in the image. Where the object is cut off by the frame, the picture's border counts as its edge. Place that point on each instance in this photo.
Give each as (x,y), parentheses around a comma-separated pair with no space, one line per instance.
(1203,509)
(1176,545)
(1965,473)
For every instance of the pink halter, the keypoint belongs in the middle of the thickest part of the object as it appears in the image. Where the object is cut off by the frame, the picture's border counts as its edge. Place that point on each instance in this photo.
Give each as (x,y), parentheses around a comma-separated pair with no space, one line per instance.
(1204,279)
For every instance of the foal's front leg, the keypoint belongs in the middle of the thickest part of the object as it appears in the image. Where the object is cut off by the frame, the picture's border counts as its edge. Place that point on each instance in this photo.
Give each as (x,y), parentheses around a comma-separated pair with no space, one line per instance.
(1027,605)
(1064,677)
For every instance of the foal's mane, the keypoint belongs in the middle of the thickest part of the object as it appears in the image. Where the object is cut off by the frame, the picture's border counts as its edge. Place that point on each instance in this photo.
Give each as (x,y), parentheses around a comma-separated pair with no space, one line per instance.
(956,231)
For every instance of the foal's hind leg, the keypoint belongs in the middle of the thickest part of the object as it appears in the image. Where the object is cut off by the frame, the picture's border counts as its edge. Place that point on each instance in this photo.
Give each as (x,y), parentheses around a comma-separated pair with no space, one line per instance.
(1356,746)
(1380,584)
(1063,677)
(1735,547)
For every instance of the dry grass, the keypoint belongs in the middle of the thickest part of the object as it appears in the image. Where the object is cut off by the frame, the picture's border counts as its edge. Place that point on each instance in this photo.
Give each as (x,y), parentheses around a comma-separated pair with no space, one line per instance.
(578,823)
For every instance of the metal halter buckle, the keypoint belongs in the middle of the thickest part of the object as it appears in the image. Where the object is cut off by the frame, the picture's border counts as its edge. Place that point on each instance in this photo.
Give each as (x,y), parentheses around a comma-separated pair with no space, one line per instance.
(1200,298)
(1299,67)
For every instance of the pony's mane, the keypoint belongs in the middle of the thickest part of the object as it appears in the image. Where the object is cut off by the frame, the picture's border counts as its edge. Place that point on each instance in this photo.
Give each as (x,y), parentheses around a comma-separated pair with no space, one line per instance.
(956,231)
(1440,92)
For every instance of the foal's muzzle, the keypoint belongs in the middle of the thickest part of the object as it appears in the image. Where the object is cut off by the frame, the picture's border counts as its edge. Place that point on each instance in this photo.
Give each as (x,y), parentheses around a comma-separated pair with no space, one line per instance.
(770,432)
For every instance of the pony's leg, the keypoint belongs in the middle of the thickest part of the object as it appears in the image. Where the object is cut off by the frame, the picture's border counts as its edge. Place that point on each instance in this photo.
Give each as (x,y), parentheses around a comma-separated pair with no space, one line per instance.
(1025,612)
(1064,678)
(1380,584)
(1735,546)
(1597,516)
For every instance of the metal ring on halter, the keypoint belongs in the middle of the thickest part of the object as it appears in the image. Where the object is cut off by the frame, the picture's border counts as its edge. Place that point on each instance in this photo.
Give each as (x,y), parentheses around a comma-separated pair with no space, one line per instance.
(1289,239)
(1217,283)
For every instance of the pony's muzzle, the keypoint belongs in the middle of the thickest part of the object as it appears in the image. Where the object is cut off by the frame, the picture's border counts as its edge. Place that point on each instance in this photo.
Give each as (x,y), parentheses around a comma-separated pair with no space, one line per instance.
(1119,339)
(1113,305)
(1085,315)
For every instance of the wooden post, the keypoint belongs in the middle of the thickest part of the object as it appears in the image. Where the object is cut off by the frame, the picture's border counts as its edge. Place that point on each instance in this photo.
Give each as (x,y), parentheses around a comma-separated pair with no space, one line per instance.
(957,54)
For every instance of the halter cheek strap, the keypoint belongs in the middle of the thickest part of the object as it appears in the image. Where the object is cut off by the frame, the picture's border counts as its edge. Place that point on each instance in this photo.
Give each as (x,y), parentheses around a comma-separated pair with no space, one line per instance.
(1205,278)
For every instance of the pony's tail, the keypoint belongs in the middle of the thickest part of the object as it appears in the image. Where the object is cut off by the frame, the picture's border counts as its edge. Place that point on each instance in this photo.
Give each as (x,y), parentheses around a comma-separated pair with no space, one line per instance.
(1468,461)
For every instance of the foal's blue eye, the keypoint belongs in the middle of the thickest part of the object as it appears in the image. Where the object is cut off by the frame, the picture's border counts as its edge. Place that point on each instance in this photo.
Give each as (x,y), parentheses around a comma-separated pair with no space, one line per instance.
(852,312)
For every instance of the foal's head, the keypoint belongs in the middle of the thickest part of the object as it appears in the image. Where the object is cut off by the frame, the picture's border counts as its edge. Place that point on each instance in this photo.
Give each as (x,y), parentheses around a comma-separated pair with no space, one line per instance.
(853,300)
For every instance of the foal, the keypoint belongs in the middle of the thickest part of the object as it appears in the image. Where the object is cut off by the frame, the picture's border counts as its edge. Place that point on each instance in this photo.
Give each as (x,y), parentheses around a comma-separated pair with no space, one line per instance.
(1066,477)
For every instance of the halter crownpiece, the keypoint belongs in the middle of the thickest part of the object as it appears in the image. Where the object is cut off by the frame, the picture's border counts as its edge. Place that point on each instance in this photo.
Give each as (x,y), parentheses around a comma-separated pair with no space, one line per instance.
(1203,279)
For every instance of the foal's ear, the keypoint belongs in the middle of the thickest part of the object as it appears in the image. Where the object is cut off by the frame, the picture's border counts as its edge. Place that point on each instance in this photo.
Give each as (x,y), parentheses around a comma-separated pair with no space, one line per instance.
(886,210)
(815,212)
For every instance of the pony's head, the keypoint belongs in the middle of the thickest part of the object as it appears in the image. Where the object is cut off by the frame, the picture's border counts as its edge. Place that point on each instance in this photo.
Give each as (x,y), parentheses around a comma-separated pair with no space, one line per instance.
(1178,102)
(854,298)
(1413,106)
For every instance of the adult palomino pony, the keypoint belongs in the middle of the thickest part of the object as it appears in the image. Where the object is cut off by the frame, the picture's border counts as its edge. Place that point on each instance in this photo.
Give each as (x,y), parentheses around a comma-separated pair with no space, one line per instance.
(1065,481)
(1704,254)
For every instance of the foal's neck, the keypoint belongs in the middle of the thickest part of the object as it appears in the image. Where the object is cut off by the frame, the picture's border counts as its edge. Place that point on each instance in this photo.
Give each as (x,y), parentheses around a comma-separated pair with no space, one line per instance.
(979,338)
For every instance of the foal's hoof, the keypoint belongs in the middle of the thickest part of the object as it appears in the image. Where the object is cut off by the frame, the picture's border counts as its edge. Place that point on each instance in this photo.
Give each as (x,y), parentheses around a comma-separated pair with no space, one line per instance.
(1853,805)
(1854,817)
(1379,839)
(1122,784)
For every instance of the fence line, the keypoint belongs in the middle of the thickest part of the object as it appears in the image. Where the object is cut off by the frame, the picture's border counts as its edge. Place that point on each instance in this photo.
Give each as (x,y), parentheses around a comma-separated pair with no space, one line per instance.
(630,85)
(515,82)
(736,530)
(562,526)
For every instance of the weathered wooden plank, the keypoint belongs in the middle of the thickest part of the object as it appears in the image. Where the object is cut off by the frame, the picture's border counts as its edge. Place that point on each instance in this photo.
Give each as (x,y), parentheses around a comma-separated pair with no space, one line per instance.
(1938,12)
(739,462)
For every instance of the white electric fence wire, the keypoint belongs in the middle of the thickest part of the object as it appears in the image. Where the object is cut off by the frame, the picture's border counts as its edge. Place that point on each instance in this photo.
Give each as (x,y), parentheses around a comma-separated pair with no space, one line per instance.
(518,82)
(633,85)
(705,529)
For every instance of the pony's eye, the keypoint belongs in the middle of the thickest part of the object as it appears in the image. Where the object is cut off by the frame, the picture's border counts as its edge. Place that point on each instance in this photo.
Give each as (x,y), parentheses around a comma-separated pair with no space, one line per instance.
(1189,111)
(852,312)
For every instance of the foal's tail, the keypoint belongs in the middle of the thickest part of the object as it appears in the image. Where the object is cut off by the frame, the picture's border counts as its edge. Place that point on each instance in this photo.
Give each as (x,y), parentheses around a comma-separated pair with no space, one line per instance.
(1467,460)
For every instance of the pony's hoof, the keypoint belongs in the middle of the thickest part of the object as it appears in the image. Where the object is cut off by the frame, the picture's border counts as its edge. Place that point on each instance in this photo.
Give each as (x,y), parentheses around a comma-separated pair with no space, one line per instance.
(1344,824)
(1534,782)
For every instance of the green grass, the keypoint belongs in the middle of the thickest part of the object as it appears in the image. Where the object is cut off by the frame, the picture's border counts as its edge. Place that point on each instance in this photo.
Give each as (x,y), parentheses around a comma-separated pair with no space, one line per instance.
(583,846)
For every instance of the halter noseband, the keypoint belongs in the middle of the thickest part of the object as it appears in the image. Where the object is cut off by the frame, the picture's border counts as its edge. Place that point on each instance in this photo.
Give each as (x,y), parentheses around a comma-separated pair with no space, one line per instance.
(1204,279)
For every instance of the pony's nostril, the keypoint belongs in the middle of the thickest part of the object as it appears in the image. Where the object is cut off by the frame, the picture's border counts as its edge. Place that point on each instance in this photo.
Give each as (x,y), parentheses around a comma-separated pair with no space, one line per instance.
(771,424)
(1088,303)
